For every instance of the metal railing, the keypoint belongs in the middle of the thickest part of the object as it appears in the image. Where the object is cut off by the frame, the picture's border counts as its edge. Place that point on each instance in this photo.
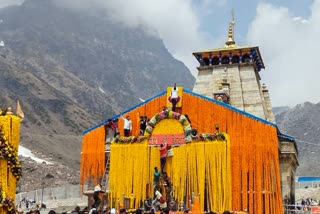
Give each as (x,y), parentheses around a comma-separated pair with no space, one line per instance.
(297,209)
(51,193)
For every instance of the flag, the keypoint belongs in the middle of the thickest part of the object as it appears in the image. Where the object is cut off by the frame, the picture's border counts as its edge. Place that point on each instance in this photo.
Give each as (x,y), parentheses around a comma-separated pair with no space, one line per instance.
(19,111)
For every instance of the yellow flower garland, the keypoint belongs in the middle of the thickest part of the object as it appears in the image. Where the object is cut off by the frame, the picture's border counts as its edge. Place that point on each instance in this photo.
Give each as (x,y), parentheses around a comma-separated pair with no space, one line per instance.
(10,126)
(132,165)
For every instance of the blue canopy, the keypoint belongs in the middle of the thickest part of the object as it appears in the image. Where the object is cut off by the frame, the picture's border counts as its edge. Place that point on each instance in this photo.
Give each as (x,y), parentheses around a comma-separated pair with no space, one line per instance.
(308,179)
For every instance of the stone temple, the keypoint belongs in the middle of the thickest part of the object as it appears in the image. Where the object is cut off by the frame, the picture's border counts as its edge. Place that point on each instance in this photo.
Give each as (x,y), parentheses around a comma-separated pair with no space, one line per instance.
(231,74)
(226,152)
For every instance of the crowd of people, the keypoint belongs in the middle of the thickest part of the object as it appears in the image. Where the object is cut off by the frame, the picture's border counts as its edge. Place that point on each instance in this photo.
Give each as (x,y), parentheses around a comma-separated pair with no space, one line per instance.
(76,210)
(144,211)
(305,204)
(31,204)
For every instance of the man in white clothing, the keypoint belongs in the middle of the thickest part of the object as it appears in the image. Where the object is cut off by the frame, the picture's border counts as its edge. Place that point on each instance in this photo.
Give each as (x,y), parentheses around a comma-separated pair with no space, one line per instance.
(127,126)
(174,97)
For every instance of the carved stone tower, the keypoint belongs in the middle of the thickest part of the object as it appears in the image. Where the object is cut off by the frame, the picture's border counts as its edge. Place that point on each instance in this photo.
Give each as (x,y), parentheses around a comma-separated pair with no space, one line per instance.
(231,75)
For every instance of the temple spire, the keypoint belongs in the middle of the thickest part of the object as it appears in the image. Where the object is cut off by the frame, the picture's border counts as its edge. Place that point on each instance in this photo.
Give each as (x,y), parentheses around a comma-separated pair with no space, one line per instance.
(230,43)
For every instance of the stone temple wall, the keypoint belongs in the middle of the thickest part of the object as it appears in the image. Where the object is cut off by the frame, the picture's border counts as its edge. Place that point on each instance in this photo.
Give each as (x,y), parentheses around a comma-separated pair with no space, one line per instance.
(245,90)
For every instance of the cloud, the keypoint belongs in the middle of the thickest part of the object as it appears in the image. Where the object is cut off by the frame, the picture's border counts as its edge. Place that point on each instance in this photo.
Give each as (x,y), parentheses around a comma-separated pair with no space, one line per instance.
(289,46)
(5,3)
(176,22)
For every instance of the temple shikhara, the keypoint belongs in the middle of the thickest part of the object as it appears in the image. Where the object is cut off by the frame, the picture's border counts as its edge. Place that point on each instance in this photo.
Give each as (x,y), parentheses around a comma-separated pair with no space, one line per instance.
(223,150)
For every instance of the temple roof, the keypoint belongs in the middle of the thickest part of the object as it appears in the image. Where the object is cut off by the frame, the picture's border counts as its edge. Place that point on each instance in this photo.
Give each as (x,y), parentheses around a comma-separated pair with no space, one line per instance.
(161,97)
(201,110)
(233,48)
(230,50)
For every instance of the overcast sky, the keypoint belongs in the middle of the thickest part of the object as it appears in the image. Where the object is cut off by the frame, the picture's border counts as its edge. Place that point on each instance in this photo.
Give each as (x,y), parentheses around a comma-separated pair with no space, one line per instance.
(4,3)
(286,31)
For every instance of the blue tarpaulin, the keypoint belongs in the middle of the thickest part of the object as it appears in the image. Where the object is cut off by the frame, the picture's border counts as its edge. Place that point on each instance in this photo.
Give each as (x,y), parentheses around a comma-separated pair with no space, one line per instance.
(308,179)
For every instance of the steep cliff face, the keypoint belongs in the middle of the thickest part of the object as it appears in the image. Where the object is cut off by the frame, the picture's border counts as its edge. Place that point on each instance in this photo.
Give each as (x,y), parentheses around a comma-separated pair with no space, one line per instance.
(302,122)
(57,43)
(53,121)
(72,69)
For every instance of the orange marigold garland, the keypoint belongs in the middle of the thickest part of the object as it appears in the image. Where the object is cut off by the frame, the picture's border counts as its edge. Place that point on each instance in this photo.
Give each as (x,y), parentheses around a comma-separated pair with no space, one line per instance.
(92,155)
(253,148)
(11,155)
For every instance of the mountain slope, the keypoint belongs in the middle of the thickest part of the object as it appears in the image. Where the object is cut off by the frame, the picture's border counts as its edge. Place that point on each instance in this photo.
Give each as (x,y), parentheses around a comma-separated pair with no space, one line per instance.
(302,122)
(127,63)
(71,70)
(48,111)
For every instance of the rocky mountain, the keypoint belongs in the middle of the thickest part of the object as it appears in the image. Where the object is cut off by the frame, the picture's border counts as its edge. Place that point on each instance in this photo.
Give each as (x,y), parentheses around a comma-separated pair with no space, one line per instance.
(71,69)
(280,109)
(303,123)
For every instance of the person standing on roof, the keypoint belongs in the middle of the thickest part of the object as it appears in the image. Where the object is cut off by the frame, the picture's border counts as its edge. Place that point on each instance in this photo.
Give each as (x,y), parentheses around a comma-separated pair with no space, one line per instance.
(174,97)
(127,126)
(143,124)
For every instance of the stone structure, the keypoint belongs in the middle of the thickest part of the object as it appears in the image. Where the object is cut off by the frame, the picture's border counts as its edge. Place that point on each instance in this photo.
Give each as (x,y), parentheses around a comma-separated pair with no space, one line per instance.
(288,165)
(231,75)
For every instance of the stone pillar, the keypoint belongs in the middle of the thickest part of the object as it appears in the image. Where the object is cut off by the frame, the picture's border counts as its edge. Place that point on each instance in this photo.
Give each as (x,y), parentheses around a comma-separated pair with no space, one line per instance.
(265,93)
(288,166)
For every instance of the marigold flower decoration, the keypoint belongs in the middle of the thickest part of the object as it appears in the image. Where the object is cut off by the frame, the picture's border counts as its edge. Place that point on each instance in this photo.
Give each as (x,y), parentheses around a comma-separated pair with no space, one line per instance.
(209,136)
(7,202)
(10,154)
(131,139)
(170,115)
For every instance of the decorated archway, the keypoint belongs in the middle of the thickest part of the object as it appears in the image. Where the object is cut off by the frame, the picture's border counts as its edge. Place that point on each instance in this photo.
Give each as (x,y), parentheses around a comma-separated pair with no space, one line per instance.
(199,169)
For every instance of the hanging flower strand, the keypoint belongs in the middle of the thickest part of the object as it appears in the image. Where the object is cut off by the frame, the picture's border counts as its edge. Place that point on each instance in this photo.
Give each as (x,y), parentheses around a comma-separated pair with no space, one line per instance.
(10,154)
(7,202)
